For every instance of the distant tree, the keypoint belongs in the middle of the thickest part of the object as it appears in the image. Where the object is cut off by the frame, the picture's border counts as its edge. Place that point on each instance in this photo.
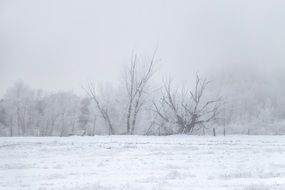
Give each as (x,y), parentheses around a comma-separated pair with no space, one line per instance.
(137,77)
(104,110)
(68,111)
(84,115)
(3,117)
(190,111)
(39,110)
(58,113)
(20,99)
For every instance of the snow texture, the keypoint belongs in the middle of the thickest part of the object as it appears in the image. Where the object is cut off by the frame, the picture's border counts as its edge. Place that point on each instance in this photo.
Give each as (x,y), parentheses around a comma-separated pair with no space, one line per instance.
(140,162)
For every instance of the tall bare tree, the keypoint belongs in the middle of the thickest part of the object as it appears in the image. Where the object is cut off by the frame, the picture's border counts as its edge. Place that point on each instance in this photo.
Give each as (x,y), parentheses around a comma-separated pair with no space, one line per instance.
(136,81)
(103,110)
(190,110)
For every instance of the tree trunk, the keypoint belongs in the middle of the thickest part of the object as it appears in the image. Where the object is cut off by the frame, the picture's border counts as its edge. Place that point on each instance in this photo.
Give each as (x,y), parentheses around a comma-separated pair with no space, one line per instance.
(134,122)
(129,117)
(94,126)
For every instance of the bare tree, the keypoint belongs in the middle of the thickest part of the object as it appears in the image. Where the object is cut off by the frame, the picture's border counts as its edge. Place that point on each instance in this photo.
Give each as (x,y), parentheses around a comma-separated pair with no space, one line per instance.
(136,81)
(4,117)
(84,115)
(94,125)
(103,110)
(189,111)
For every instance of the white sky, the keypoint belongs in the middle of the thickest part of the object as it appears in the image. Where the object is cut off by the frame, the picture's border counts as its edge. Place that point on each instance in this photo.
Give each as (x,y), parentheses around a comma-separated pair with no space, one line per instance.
(62,44)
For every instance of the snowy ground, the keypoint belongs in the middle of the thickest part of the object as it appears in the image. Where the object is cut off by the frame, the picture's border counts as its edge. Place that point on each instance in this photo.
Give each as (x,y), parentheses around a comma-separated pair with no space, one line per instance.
(137,162)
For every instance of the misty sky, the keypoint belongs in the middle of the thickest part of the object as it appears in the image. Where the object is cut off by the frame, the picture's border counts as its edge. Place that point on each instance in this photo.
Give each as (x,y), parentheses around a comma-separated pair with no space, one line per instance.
(62,44)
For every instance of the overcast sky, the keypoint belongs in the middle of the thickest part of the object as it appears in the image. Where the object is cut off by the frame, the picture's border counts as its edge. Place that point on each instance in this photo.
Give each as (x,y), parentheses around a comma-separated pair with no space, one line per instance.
(62,44)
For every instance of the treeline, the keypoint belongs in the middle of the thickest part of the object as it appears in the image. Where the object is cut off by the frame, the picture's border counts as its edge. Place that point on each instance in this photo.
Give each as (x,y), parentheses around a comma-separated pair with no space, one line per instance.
(254,98)
(136,105)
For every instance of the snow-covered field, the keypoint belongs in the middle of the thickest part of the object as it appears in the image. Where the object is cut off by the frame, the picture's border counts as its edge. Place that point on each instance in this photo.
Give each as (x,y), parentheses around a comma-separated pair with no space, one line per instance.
(137,162)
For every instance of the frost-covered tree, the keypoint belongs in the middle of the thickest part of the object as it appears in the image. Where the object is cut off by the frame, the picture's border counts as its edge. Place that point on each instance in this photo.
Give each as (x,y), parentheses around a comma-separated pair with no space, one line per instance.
(4,125)
(28,112)
(188,110)
(62,113)
(137,78)
(87,120)
(19,103)
(103,108)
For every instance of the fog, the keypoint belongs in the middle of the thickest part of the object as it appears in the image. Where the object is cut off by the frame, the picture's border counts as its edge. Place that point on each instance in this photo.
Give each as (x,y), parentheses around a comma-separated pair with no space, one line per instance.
(149,94)
(63,44)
